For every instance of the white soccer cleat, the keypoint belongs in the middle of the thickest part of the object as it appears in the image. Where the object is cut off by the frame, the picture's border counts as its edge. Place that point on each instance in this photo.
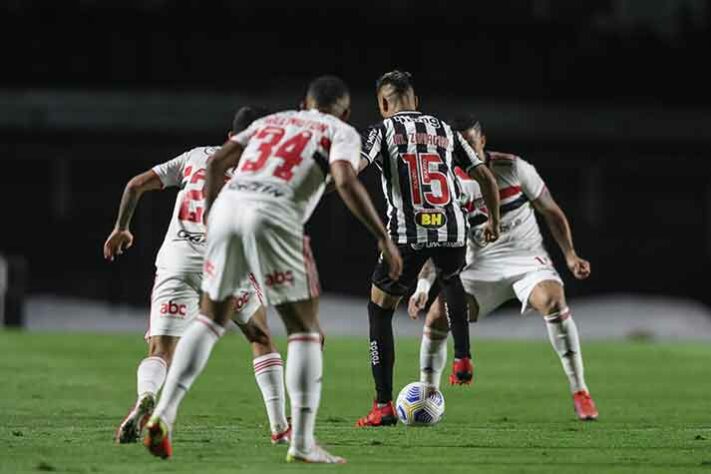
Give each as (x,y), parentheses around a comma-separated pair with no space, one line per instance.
(129,431)
(317,455)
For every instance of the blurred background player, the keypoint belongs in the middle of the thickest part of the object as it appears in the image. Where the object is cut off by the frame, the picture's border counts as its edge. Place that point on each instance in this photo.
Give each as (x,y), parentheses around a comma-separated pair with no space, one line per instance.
(416,154)
(515,266)
(176,291)
(256,235)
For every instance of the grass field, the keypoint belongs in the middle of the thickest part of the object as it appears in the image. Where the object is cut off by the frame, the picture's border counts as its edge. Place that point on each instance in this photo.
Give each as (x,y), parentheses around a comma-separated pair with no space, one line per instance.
(62,396)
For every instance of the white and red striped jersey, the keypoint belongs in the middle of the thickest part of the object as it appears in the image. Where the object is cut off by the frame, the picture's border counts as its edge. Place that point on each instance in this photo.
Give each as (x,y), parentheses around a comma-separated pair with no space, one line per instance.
(183,248)
(519,184)
(287,158)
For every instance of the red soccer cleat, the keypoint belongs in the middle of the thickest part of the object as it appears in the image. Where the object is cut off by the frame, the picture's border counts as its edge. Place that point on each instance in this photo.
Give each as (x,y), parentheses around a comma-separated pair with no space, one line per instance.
(462,372)
(584,406)
(379,416)
(157,439)
(282,438)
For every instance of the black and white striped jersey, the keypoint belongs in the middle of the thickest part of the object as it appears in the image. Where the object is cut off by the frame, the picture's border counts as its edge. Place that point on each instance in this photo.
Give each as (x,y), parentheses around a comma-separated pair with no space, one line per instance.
(416,154)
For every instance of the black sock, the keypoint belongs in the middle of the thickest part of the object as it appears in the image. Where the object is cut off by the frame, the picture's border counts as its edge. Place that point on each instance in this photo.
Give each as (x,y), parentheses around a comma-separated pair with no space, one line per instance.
(382,350)
(458,312)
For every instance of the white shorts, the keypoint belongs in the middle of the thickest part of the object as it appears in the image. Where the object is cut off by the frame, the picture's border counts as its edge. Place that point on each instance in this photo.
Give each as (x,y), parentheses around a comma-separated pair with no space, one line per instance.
(255,244)
(490,294)
(175,301)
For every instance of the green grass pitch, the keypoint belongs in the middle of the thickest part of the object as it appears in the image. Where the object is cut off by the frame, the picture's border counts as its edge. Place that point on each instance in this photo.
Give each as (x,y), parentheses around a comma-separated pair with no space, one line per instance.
(62,395)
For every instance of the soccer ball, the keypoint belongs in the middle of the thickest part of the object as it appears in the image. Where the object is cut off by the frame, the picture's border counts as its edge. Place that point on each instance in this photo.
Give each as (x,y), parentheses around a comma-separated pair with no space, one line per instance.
(419,404)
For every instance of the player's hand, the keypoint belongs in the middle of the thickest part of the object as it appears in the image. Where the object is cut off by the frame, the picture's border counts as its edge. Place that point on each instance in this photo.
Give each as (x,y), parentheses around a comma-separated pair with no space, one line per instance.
(392,257)
(119,240)
(492,231)
(579,267)
(417,303)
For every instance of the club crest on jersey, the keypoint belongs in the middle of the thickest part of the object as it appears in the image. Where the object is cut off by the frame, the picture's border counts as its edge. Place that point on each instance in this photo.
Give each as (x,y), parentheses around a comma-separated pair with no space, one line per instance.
(431,219)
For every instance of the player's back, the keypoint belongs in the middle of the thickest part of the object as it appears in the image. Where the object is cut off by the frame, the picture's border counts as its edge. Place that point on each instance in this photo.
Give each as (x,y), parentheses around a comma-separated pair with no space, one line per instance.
(287,157)
(184,243)
(417,154)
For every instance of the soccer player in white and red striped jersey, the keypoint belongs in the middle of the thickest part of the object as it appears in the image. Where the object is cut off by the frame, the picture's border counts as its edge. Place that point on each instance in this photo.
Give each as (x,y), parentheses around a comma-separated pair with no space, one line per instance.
(256,236)
(176,291)
(515,266)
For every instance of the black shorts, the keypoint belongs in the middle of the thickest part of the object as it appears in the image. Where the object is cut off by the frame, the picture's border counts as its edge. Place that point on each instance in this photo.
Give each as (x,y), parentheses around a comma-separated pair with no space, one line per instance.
(448,260)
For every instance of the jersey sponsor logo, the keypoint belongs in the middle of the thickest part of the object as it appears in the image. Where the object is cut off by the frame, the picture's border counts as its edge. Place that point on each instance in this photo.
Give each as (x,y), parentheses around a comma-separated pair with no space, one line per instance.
(433,245)
(173,309)
(279,278)
(241,301)
(192,237)
(431,219)
(255,187)
(434,122)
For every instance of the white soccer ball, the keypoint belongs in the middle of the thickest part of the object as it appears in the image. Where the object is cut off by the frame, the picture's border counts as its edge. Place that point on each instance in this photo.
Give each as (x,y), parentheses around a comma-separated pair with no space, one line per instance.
(419,404)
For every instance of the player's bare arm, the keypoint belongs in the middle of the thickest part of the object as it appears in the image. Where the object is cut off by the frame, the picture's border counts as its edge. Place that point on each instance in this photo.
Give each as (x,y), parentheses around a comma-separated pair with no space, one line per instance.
(560,228)
(225,158)
(490,193)
(356,198)
(425,280)
(121,237)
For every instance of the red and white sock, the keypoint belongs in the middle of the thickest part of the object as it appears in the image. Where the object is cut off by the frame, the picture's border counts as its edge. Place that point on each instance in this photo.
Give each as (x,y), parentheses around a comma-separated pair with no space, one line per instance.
(191,355)
(269,372)
(433,355)
(150,376)
(303,381)
(563,334)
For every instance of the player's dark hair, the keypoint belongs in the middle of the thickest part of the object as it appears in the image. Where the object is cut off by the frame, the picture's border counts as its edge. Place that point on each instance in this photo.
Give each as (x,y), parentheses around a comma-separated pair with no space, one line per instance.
(461,123)
(401,81)
(327,91)
(246,115)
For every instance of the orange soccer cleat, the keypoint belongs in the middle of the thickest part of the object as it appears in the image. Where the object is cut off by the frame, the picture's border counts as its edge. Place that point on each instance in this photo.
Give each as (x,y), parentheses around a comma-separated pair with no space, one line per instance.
(584,406)
(157,439)
(462,372)
(379,416)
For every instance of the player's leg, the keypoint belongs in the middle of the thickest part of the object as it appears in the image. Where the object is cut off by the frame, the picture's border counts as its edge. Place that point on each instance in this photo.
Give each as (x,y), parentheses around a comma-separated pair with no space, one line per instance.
(449,262)
(548,298)
(268,368)
(433,347)
(173,304)
(385,295)
(225,269)
(304,371)
(191,356)
(150,376)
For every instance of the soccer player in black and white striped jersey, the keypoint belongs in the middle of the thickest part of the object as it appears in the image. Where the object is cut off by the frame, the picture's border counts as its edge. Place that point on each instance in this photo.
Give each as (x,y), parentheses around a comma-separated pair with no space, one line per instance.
(416,154)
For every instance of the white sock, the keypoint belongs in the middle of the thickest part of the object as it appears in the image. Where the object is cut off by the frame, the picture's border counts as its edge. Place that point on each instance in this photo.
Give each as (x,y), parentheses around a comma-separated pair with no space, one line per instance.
(191,355)
(433,355)
(563,334)
(269,372)
(303,380)
(150,376)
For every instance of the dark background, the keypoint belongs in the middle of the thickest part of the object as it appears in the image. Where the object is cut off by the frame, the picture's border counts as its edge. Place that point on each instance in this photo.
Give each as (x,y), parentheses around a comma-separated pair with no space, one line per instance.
(609,99)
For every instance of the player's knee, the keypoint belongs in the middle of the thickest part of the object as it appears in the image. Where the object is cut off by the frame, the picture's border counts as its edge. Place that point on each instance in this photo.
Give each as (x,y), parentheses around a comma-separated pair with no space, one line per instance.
(382,299)
(550,304)
(437,317)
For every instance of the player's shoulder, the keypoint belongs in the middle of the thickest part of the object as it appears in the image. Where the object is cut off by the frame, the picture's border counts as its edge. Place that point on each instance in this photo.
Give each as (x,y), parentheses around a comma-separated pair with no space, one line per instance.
(200,154)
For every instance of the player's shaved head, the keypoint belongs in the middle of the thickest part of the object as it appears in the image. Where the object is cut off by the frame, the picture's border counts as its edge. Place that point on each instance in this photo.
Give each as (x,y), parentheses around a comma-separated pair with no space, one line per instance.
(462,123)
(246,115)
(397,82)
(396,93)
(329,94)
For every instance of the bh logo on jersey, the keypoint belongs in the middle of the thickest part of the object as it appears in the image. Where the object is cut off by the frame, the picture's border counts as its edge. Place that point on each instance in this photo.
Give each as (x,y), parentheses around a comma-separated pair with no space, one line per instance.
(280,278)
(430,219)
(241,301)
(173,309)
